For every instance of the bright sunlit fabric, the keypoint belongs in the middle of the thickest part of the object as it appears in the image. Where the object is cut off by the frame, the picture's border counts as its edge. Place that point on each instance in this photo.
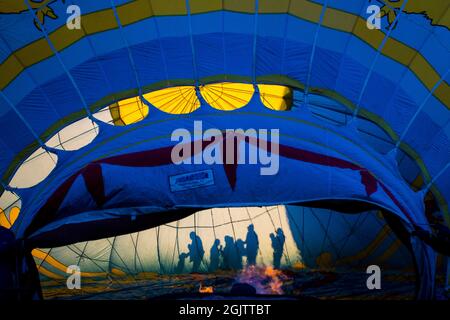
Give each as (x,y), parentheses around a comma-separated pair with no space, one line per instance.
(8,221)
(34,169)
(128,111)
(174,100)
(276,97)
(75,135)
(4,221)
(9,209)
(226,95)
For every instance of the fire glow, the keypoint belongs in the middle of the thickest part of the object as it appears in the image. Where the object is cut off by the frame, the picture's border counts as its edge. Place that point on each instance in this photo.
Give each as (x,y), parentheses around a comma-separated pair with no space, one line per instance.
(203,289)
(266,280)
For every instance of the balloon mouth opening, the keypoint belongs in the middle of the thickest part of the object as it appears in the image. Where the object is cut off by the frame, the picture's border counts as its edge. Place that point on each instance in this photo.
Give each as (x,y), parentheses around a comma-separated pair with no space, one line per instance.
(134,219)
(261,280)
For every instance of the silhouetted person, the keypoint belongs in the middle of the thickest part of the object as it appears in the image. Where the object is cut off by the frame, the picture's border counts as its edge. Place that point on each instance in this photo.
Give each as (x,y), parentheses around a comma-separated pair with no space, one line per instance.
(252,245)
(196,251)
(277,245)
(181,261)
(229,253)
(214,255)
(240,252)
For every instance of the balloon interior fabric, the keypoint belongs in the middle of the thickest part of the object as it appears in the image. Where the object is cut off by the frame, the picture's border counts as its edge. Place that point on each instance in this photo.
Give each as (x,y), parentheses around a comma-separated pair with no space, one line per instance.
(340,115)
(224,241)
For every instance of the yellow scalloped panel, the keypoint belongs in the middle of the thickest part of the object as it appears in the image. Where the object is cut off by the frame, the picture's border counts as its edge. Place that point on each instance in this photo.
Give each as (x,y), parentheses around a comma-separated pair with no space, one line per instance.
(227,95)
(275,97)
(4,222)
(13,214)
(128,111)
(174,100)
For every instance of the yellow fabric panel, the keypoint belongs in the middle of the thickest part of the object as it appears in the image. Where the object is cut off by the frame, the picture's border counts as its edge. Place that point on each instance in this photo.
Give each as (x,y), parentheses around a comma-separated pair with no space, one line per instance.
(4,222)
(273,6)
(93,274)
(117,272)
(406,55)
(419,65)
(134,12)
(15,6)
(63,38)
(201,6)
(49,274)
(305,9)
(11,66)
(32,53)
(128,111)
(441,91)
(375,37)
(44,256)
(13,214)
(445,21)
(227,95)
(169,7)
(115,114)
(240,5)
(174,100)
(340,20)
(99,21)
(275,97)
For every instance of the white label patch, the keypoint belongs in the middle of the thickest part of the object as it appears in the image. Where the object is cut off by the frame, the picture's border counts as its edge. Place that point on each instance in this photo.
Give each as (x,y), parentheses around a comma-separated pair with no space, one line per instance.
(191,180)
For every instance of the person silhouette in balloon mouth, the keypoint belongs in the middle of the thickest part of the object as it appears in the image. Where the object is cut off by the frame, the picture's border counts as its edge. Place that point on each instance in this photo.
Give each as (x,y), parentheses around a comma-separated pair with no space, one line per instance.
(196,251)
(278,241)
(227,253)
(240,253)
(214,254)
(181,261)
(251,245)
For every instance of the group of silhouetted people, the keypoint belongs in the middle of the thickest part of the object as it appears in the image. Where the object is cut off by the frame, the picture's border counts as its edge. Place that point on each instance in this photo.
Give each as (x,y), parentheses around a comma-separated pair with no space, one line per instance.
(230,257)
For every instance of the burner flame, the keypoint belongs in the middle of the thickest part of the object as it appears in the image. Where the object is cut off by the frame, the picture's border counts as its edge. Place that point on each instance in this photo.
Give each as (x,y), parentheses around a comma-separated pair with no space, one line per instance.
(203,289)
(266,280)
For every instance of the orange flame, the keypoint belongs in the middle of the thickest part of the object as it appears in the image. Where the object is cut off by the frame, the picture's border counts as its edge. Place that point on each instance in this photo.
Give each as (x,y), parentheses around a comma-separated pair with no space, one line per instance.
(203,289)
(266,280)
(276,282)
